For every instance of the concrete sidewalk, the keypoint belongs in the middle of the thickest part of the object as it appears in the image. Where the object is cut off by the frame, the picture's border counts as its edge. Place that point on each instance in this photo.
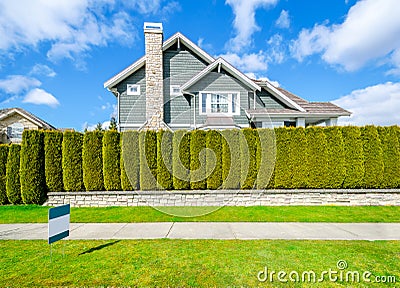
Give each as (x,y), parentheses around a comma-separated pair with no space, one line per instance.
(211,230)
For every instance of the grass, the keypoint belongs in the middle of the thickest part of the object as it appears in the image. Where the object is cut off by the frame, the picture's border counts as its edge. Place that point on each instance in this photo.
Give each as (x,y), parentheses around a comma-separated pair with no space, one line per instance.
(182,263)
(339,214)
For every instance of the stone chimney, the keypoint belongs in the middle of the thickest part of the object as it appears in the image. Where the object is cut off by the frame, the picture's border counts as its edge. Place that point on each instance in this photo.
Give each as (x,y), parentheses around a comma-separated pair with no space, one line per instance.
(153,33)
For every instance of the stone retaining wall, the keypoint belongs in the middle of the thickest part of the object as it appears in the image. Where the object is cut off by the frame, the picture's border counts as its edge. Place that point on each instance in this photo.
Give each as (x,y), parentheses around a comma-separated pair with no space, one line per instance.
(227,198)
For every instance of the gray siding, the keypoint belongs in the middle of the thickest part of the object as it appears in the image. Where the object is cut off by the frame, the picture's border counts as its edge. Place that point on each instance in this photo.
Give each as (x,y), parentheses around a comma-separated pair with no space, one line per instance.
(268,101)
(133,108)
(218,82)
(179,67)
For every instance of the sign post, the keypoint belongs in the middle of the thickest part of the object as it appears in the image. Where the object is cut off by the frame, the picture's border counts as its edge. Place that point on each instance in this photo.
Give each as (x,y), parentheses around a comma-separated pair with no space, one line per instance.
(58,225)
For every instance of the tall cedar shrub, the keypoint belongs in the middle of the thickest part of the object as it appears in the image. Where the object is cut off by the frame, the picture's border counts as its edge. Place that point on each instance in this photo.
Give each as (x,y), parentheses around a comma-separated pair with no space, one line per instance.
(148,160)
(92,161)
(298,158)
(214,159)
(32,174)
(53,160)
(164,160)
(391,157)
(335,157)
(3,162)
(317,160)
(111,160)
(13,184)
(198,160)
(354,157)
(373,159)
(267,157)
(231,163)
(130,161)
(250,171)
(181,160)
(283,169)
(72,161)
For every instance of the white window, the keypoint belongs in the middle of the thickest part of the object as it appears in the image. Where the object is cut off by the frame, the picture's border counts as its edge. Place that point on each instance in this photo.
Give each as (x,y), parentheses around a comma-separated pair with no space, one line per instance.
(14,131)
(175,90)
(132,89)
(219,103)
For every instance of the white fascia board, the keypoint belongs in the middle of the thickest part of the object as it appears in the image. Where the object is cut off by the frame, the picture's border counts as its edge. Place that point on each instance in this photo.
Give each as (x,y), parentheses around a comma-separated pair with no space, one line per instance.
(9,113)
(306,115)
(228,67)
(284,98)
(125,73)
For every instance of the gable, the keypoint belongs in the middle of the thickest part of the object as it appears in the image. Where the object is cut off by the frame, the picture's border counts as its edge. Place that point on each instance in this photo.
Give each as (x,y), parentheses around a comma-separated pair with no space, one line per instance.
(269,101)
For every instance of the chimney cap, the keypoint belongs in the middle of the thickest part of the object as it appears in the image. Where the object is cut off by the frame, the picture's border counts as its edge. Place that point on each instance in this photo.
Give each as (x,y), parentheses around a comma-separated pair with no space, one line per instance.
(153,27)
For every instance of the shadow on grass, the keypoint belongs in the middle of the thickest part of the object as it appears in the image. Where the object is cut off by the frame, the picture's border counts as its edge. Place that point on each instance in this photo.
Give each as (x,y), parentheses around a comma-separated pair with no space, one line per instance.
(99,247)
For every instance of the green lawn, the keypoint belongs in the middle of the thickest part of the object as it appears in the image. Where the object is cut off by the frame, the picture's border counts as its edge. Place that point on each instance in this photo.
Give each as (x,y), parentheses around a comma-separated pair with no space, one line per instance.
(343,214)
(200,263)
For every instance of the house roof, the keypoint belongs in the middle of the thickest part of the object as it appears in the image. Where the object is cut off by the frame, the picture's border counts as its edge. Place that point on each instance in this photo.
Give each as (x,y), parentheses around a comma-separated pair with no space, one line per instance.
(176,38)
(4,113)
(220,62)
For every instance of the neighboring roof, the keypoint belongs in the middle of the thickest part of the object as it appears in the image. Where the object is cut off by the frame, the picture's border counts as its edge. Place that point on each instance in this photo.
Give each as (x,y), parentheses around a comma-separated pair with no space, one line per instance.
(4,113)
(228,67)
(177,37)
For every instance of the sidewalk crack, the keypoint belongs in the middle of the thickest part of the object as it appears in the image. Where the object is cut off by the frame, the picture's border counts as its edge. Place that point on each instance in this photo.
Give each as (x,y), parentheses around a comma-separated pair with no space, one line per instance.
(169,231)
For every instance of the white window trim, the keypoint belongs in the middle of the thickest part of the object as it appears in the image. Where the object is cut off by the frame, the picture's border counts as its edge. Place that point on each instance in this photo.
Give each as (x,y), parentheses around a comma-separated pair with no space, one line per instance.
(208,103)
(128,92)
(171,90)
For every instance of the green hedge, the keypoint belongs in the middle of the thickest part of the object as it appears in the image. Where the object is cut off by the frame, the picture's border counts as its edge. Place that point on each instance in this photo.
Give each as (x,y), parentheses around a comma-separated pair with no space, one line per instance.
(13,184)
(373,160)
(250,146)
(231,167)
(283,169)
(317,157)
(391,156)
(354,157)
(214,159)
(72,161)
(181,160)
(130,161)
(198,160)
(53,160)
(92,161)
(299,156)
(32,173)
(111,160)
(336,170)
(3,179)
(267,157)
(148,160)
(164,160)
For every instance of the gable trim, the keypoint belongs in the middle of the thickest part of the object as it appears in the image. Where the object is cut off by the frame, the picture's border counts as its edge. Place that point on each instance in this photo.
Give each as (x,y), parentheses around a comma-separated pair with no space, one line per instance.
(220,62)
(142,61)
(25,115)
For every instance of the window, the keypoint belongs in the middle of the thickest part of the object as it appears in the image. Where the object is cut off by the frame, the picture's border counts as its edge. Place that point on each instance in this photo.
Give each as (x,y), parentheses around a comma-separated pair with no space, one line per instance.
(175,90)
(219,103)
(289,123)
(132,89)
(14,131)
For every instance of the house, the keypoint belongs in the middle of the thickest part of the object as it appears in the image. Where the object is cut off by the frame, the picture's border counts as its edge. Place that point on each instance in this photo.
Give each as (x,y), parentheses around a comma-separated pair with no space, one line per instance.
(13,121)
(177,85)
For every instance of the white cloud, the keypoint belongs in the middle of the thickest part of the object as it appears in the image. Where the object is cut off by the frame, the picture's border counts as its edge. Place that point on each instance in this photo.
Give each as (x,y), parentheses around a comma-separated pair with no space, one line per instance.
(379,105)
(245,23)
(369,33)
(41,69)
(276,50)
(16,84)
(40,97)
(252,62)
(283,21)
(71,27)
(255,76)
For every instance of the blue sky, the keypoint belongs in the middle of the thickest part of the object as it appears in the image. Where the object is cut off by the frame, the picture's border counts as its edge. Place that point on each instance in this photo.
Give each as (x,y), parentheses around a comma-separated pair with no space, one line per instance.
(56,55)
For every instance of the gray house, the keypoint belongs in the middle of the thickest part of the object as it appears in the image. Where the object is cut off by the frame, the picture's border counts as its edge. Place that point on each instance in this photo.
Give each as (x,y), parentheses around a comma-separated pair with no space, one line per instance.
(177,85)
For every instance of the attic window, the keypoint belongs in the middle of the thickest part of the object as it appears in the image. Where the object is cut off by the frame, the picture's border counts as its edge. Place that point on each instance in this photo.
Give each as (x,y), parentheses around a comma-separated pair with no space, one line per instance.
(14,131)
(132,89)
(175,90)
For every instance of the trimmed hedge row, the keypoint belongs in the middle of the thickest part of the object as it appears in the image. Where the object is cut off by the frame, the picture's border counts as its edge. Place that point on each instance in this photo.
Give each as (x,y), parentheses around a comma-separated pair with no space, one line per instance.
(314,157)
(13,185)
